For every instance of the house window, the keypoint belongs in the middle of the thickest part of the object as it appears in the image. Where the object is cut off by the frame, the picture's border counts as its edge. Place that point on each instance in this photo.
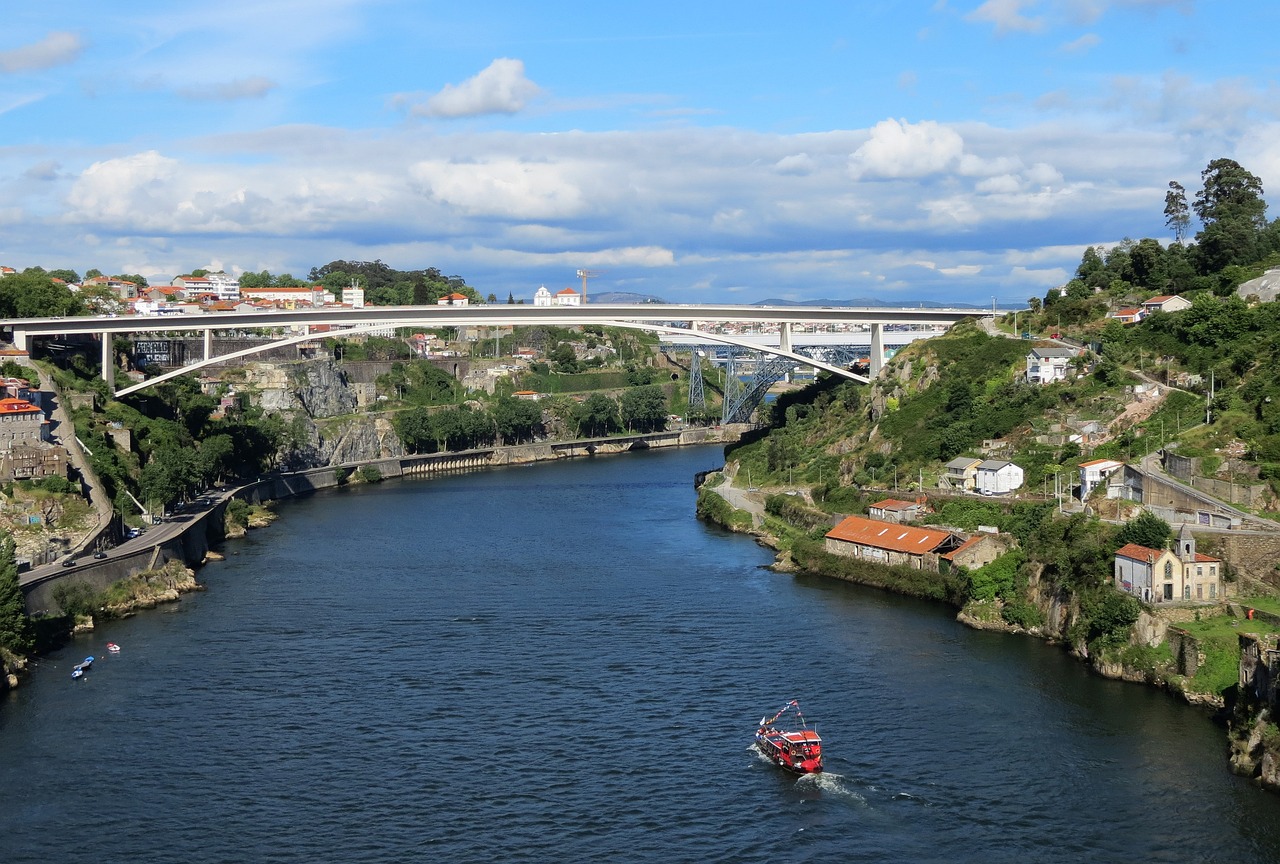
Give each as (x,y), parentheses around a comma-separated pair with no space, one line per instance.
(1213,591)
(1186,592)
(1199,570)
(1168,569)
(1199,592)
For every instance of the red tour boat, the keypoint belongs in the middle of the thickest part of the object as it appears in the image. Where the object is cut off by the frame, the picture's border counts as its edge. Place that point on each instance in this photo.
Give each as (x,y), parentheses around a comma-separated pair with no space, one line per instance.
(797,748)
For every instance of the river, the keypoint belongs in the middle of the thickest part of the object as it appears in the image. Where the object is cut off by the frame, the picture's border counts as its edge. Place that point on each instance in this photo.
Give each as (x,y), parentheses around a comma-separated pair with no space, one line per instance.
(559,662)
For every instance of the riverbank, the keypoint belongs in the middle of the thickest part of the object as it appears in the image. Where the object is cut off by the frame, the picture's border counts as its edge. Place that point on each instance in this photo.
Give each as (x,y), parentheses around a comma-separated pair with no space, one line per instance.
(187,540)
(1160,652)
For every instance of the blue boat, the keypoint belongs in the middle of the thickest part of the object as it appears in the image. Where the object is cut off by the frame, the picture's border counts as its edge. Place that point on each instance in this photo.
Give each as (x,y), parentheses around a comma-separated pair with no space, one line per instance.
(79,669)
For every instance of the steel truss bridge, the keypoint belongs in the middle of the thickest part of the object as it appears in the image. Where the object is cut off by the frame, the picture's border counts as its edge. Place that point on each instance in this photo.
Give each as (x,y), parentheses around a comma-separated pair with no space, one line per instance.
(679,324)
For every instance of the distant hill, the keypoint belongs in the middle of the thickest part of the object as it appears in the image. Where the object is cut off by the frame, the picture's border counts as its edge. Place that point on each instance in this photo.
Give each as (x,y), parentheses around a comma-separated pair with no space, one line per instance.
(867,301)
(622,297)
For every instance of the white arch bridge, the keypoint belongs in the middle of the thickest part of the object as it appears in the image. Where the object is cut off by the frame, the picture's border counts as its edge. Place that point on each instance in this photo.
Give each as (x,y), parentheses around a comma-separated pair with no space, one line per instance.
(683,323)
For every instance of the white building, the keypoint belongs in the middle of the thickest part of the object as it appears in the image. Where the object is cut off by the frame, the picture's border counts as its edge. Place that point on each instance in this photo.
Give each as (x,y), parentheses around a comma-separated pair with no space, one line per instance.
(568,297)
(353,297)
(290,298)
(997,477)
(542,297)
(1048,363)
(1094,472)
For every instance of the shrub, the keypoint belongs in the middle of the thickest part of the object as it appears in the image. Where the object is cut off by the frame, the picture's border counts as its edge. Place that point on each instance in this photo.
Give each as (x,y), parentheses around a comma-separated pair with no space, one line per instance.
(369,474)
(76,598)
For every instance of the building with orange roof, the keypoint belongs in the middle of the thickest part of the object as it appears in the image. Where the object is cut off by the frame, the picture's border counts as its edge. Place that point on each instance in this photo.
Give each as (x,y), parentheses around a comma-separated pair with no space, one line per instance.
(568,297)
(21,423)
(889,543)
(1163,576)
(454,299)
(1166,303)
(1128,315)
(893,510)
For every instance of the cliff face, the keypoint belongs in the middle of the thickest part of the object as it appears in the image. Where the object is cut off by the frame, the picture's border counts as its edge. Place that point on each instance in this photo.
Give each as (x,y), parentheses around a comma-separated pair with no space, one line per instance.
(320,402)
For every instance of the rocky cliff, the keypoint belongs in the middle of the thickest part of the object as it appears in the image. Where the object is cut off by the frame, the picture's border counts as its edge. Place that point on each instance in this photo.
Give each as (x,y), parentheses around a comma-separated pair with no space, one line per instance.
(319,402)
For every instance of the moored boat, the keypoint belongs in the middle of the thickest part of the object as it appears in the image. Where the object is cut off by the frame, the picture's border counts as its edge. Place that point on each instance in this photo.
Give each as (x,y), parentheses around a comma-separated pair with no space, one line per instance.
(113,648)
(793,744)
(79,669)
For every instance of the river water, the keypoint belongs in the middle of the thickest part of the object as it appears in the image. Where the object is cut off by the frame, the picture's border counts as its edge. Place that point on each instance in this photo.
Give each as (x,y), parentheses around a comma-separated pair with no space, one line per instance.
(559,662)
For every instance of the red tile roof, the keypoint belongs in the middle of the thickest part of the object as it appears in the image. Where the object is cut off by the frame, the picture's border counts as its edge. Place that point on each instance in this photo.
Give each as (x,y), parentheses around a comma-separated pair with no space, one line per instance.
(17,406)
(1147,555)
(887,535)
(972,541)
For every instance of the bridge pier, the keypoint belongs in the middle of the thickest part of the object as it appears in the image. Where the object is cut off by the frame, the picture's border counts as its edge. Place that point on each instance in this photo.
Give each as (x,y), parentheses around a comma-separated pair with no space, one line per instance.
(108,362)
(877,349)
(208,343)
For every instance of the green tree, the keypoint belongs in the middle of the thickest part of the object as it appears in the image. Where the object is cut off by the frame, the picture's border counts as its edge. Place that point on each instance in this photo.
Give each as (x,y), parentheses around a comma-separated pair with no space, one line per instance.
(597,415)
(1177,216)
(644,409)
(1146,529)
(516,420)
(15,627)
(35,295)
(1231,208)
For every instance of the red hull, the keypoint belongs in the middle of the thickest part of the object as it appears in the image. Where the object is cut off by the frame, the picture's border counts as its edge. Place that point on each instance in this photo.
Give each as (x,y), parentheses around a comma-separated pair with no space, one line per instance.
(798,751)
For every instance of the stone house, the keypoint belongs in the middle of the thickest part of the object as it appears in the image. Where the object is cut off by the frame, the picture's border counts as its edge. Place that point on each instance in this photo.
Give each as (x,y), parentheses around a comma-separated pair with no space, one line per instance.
(21,423)
(32,461)
(1162,576)
(893,510)
(888,543)
(978,551)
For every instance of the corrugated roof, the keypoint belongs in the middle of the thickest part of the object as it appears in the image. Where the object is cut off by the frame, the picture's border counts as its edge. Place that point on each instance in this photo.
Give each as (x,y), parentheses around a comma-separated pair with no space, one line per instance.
(887,535)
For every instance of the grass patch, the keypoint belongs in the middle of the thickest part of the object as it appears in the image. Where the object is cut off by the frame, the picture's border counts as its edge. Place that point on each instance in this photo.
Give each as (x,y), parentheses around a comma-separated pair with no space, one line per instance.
(1219,639)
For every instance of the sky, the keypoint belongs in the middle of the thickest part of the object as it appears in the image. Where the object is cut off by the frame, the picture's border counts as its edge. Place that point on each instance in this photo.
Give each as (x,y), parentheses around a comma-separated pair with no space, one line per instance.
(699,152)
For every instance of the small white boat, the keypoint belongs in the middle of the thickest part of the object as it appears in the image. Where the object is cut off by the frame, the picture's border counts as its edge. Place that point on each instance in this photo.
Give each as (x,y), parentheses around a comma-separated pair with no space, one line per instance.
(113,648)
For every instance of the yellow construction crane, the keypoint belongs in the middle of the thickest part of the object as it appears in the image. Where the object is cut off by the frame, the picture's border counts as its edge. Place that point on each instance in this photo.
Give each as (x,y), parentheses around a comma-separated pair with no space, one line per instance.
(584,275)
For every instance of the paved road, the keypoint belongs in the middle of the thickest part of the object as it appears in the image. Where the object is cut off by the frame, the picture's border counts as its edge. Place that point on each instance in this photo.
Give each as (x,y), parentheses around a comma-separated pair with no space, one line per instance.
(154,536)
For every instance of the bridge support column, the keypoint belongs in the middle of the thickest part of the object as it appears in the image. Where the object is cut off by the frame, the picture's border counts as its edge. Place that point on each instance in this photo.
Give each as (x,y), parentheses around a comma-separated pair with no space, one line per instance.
(208,343)
(108,363)
(784,336)
(20,339)
(877,349)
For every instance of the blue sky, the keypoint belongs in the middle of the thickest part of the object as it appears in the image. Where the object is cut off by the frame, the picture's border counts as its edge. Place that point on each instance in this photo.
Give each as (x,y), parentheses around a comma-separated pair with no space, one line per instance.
(697,151)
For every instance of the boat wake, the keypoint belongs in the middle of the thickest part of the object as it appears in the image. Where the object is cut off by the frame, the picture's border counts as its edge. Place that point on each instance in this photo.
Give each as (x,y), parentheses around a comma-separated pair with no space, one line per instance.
(834,785)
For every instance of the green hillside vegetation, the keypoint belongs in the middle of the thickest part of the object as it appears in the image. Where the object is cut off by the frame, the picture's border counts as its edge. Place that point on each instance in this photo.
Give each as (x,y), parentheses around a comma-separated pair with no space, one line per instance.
(848,445)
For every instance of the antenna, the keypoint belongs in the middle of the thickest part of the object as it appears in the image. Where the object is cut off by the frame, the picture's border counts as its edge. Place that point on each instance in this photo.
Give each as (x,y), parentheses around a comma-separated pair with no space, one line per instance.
(584,275)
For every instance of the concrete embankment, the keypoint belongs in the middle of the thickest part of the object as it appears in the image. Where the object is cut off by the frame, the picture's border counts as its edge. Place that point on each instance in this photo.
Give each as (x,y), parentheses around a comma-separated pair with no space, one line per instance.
(197,532)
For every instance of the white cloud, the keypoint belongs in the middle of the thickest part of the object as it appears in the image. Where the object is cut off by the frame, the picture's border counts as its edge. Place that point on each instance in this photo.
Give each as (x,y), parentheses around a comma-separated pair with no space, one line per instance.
(1007,16)
(797,163)
(898,149)
(1083,44)
(57,49)
(253,87)
(500,88)
(503,187)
